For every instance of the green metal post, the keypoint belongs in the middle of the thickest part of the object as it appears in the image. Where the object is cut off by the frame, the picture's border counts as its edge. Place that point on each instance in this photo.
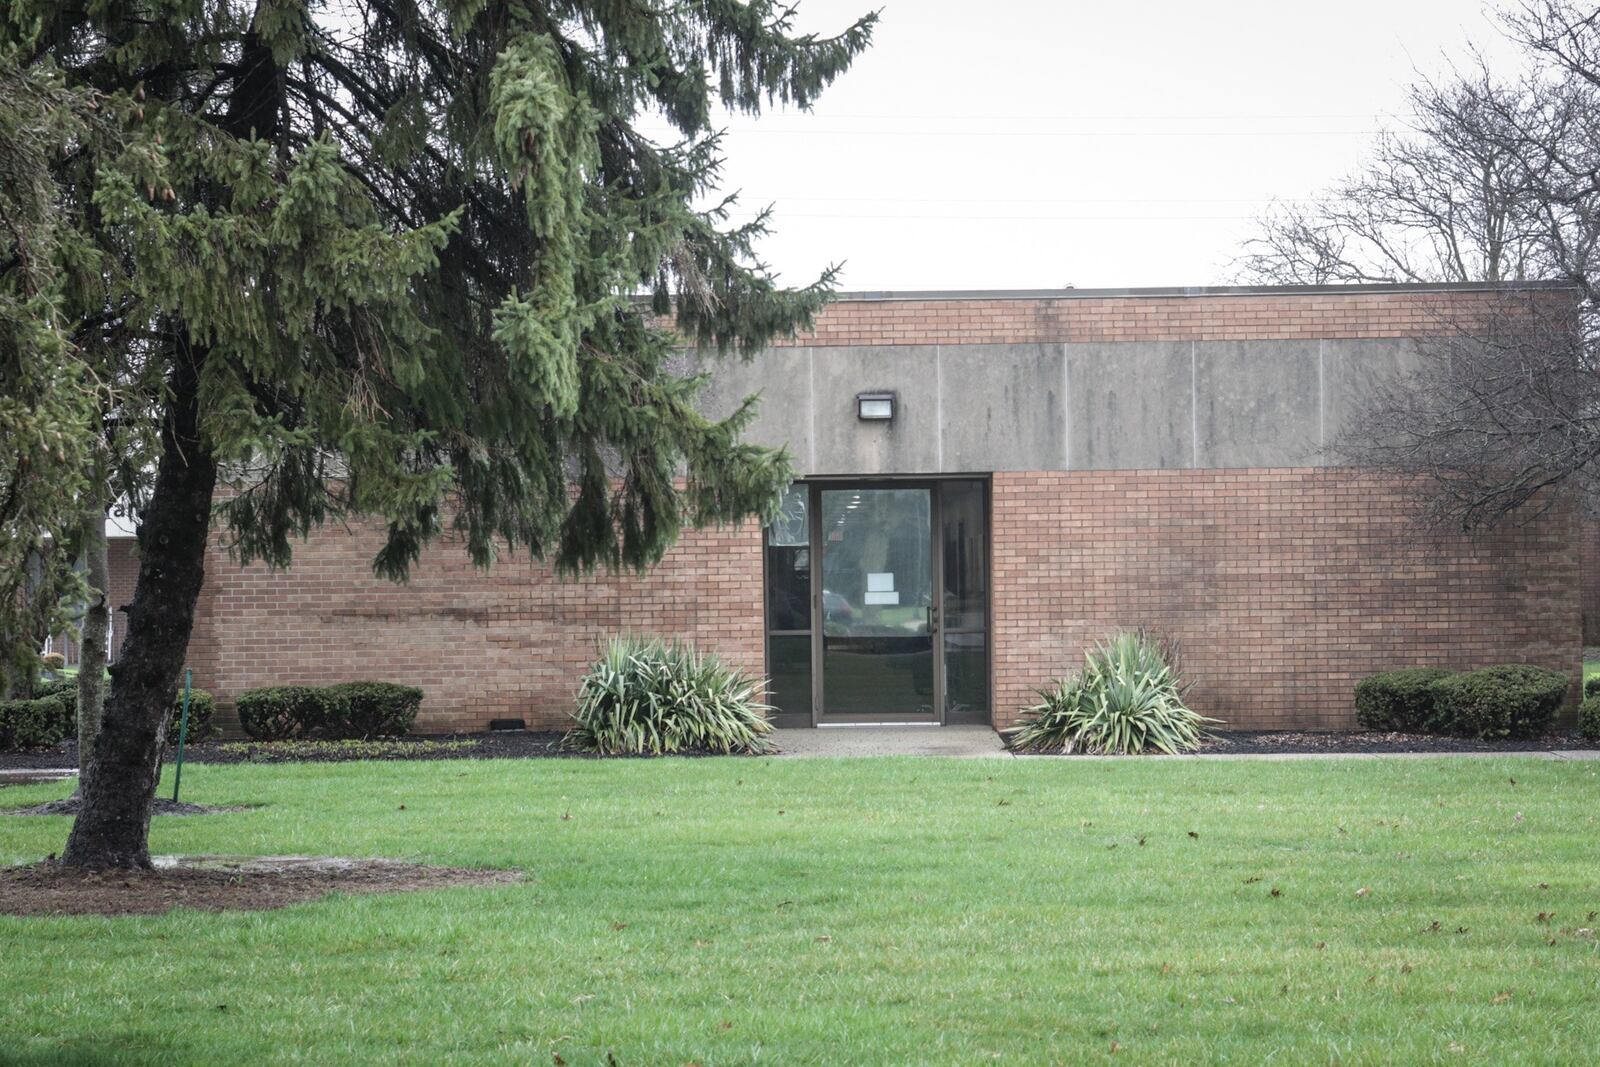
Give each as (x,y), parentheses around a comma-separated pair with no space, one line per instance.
(183,732)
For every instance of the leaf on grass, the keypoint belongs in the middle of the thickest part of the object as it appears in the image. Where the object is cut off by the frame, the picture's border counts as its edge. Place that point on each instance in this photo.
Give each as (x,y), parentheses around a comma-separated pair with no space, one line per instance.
(1501,997)
(1276,892)
(1194,835)
(1363,892)
(619,926)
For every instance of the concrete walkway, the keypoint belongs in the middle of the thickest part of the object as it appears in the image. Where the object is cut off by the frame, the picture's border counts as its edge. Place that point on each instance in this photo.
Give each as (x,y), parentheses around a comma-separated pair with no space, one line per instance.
(958,741)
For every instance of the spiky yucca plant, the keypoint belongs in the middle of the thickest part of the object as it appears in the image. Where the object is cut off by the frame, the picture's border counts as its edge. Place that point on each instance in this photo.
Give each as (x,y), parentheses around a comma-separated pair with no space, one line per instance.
(648,696)
(1127,699)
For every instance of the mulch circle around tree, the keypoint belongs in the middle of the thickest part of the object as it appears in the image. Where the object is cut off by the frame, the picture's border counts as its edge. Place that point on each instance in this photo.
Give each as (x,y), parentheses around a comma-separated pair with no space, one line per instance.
(212,883)
(162,806)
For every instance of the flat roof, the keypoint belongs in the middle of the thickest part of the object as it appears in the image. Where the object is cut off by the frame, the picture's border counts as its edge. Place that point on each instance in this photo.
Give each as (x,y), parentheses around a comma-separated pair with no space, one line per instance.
(1199,290)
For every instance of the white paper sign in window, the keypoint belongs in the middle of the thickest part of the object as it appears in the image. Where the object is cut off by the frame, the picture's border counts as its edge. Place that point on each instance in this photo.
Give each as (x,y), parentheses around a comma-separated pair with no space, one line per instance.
(880,588)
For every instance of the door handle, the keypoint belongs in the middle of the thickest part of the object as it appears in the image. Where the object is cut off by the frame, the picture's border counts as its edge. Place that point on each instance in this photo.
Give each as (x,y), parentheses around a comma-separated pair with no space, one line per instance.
(933,619)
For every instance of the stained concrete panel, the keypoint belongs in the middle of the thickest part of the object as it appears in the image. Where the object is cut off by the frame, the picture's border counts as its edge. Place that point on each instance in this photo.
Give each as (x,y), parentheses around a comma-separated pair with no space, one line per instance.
(844,444)
(1003,407)
(1351,371)
(782,377)
(1129,405)
(1258,403)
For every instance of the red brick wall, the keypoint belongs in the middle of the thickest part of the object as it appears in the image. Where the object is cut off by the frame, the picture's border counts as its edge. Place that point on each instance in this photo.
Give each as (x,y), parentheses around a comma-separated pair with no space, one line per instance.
(122,566)
(1284,587)
(1588,534)
(1142,318)
(122,563)
(509,642)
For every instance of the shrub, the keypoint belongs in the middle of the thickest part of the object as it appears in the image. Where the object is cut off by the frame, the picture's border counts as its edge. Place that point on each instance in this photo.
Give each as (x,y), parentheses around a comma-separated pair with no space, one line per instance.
(276,712)
(1398,700)
(53,661)
(1127,699)
(1591,687)
(649,696)
(374,709)
(1517,700)
(202,713)
(37,723)
(1589,719)
(59,687)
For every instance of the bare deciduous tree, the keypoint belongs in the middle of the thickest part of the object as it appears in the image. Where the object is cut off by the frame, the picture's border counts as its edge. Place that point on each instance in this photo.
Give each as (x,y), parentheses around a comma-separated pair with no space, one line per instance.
(1496,180)
(1501,411)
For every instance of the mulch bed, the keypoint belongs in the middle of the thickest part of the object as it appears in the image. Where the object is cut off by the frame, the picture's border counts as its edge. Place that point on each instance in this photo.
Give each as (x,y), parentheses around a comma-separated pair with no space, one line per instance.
(220,884)
(506,744)
(1357,741)
(531,744)
(1289,742)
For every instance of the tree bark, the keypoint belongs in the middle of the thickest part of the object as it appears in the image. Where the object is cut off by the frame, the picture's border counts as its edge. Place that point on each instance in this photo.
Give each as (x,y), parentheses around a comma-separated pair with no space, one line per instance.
(113,823)
(92,641)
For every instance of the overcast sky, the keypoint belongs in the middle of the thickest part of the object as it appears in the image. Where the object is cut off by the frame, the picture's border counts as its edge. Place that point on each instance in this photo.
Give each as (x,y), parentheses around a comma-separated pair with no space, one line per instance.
(1022,144)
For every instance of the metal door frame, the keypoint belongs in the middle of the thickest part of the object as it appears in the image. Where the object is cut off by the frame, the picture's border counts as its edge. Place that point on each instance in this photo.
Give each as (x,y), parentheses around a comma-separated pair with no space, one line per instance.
(935,577)
(813,487)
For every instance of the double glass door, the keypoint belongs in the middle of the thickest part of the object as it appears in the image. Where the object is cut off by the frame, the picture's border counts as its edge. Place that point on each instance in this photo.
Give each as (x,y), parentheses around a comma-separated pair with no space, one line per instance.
(877,603)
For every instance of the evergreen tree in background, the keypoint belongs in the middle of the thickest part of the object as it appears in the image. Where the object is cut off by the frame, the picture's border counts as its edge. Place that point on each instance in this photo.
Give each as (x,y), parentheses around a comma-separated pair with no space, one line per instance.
(384,257)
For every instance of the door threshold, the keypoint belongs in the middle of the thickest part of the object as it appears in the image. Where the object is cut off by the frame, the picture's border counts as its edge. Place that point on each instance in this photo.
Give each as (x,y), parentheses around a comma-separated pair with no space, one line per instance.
(873,725)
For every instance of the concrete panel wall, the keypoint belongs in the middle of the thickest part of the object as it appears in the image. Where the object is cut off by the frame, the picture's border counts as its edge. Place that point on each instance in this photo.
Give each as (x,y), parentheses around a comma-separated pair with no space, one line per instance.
(1115,405)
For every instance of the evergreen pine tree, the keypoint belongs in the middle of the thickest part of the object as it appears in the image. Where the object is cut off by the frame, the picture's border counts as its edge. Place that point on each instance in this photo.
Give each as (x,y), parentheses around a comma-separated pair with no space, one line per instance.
(386,257)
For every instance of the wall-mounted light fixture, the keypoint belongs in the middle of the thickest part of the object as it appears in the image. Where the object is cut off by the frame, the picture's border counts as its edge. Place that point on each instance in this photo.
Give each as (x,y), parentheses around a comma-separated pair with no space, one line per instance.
(875,407)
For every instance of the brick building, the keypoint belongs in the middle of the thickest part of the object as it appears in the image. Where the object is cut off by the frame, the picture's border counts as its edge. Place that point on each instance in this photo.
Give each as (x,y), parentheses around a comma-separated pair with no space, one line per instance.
(991,483)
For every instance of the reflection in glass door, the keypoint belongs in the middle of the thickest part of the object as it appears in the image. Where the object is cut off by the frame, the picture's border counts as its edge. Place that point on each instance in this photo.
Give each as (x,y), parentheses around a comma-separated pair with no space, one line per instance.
(878,611)
(878,603)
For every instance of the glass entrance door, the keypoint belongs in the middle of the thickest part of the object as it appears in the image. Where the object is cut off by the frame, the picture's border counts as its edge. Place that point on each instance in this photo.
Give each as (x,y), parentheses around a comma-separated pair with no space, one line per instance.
(878,603)
(878,610)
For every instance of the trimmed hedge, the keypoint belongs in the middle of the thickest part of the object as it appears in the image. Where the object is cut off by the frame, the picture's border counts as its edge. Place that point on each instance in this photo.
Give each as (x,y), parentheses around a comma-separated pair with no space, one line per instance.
(376,709)
(39,726)
(1591,687)
(1401,701)
(276,712)
(345,711)
(38,723)
(1517,700)
(59,687)
(202,716)
(1589,719)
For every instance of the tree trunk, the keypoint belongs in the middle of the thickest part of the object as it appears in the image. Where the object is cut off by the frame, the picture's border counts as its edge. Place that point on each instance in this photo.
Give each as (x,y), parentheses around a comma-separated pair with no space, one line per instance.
(92,642)
(113,824)
(22,676)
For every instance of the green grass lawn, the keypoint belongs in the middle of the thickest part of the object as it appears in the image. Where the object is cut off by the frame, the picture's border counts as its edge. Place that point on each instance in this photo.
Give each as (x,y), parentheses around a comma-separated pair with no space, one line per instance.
(737,911)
